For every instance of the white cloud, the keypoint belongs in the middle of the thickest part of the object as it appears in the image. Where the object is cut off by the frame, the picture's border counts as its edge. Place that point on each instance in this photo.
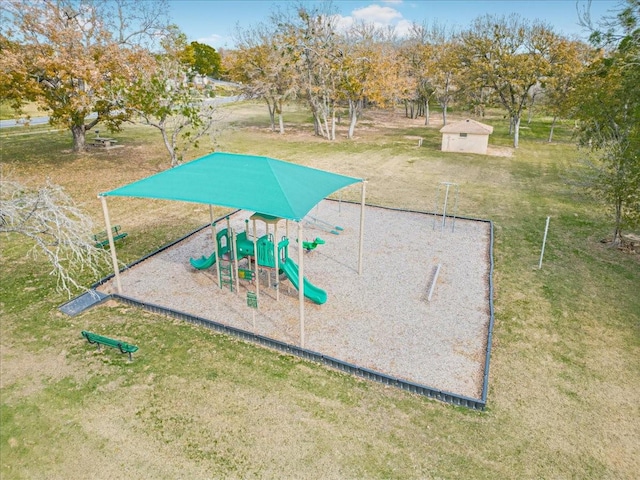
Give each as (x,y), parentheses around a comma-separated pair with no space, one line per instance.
(214,40)
(403,27)
(343,24)
(379,16)
(376,14)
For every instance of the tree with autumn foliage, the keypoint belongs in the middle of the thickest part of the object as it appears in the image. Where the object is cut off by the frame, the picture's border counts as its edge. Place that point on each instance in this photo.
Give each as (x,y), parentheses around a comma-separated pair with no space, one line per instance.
(509,55)
(570,59)
(415,55)
(368,70)
(446,73)
(262,65)
(72,57)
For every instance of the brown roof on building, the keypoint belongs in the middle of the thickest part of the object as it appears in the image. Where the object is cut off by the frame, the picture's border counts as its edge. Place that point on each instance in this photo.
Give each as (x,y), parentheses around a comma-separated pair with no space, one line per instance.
(467,126)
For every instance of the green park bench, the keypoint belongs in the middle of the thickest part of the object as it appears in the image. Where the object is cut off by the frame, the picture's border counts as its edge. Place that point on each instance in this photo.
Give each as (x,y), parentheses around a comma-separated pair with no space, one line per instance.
(102,239)
(110,342)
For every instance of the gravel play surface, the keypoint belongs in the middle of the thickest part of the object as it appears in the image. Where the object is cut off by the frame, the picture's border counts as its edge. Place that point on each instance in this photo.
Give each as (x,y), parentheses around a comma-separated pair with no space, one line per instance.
(381,320)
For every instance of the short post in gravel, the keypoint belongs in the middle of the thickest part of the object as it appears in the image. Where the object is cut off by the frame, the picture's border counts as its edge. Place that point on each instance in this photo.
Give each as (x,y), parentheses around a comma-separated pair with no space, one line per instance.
(444,188)
(252,302)
(433,282)
(544,242)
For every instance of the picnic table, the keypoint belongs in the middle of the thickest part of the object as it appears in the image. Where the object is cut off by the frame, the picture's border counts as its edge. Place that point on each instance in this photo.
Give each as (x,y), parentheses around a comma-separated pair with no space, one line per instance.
(104,142)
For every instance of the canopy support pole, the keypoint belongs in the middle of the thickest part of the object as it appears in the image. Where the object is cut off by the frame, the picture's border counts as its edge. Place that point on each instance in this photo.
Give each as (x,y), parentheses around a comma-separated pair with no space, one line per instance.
(301,282)
(255,262)
(215,244)
(267,266)
(361,242)
(112,247)
(276,260)
(235,262)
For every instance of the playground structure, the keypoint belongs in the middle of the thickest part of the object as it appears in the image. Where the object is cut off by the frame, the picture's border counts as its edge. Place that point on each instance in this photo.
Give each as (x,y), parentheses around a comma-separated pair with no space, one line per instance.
(261,254)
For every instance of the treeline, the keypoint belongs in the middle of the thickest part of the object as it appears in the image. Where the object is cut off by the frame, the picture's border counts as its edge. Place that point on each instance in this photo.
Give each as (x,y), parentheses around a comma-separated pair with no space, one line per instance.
(508,61)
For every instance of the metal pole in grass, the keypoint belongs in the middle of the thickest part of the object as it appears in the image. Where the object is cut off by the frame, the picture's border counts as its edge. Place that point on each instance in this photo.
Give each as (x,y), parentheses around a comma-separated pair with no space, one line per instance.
(544,241)
(447,186)
(444,209)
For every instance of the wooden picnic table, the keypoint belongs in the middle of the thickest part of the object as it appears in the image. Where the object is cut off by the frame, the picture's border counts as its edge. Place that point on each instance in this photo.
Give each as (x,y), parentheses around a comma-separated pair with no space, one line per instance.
(104,141)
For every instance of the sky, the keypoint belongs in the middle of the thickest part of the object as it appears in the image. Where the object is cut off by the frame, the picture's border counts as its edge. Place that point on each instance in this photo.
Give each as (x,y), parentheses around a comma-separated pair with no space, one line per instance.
(214,21)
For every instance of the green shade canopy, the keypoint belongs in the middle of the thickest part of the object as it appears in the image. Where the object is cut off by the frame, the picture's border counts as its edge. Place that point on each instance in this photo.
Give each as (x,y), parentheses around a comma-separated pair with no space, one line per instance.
(247,182)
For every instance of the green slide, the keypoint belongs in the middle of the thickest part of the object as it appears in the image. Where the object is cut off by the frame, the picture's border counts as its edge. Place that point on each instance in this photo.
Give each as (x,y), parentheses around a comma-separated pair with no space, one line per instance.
(203,262)
(245,247)
(313,293)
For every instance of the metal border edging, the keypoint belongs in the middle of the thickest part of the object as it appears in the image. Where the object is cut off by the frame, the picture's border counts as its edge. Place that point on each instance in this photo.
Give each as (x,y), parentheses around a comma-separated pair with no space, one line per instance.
(367,374)
(487,359)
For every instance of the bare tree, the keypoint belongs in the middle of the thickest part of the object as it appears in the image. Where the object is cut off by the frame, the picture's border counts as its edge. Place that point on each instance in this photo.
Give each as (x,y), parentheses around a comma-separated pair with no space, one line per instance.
(311,38)
(58,229)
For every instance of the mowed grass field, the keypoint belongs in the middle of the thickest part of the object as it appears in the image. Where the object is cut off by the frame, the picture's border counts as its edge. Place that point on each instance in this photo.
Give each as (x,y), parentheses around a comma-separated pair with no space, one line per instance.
(564,378)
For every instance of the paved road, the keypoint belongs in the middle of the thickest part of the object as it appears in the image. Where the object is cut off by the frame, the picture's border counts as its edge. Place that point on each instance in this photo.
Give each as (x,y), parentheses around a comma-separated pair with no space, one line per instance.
(21,122)
(45,120)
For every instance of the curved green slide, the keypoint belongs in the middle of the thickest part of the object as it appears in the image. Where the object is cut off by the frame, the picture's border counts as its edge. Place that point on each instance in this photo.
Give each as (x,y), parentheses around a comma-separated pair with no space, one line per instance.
(203,262)
(313,293)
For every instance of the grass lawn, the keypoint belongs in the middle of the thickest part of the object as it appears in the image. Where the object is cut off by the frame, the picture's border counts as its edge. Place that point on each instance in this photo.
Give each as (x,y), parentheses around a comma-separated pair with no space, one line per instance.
(29,110)
(564,369)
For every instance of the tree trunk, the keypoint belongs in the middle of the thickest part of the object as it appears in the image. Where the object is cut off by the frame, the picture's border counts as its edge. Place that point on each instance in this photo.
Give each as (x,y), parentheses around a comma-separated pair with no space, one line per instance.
(168,143)
(79,138)
(427,112)
(280,119)
(353,118)
(553,124)
(272,114)
(617,233)
(444,114)
(516,131)
(530,116)
(333,124)
(316,125)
